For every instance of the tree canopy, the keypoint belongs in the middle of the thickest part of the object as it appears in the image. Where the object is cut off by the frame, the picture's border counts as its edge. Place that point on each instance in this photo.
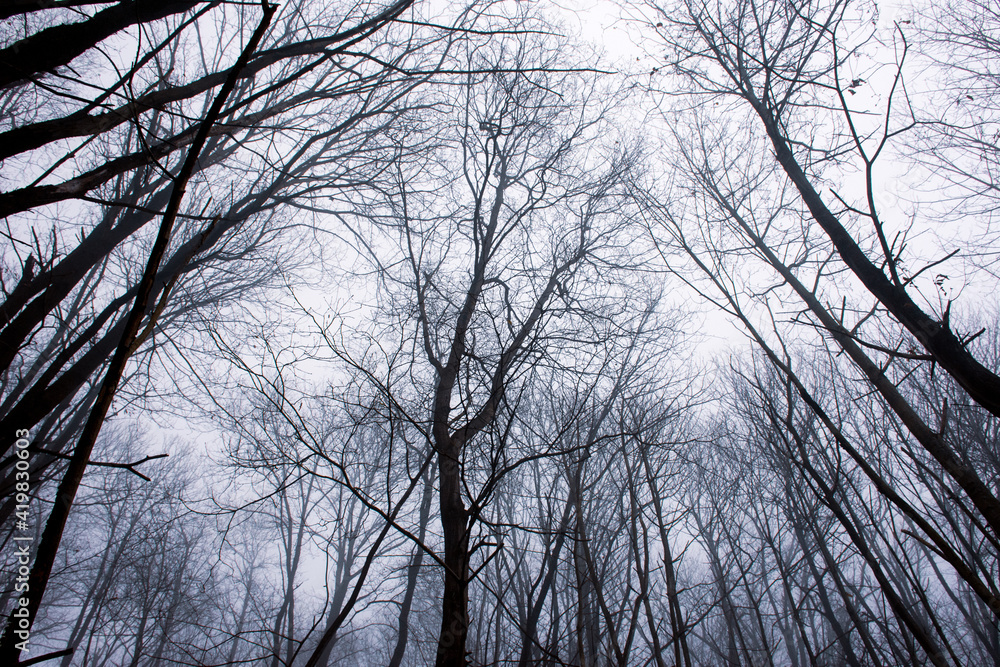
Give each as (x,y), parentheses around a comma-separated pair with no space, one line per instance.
(403,333)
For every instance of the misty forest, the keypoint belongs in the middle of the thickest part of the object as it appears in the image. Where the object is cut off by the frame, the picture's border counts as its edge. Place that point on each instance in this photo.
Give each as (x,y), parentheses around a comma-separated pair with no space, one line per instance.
(500,332)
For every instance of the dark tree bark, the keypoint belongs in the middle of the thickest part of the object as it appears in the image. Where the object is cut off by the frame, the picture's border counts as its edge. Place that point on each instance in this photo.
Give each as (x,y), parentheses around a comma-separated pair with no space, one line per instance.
(53,47)
(66,493)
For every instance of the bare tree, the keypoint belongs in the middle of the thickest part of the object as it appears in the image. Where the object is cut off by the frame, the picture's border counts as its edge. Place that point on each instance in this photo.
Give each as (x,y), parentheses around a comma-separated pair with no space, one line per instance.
(489,278)
(43,374)
(783,59)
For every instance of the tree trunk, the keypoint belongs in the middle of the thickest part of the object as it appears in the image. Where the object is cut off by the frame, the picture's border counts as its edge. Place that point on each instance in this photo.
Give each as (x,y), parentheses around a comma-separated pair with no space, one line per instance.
(454,523)
(411,577)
